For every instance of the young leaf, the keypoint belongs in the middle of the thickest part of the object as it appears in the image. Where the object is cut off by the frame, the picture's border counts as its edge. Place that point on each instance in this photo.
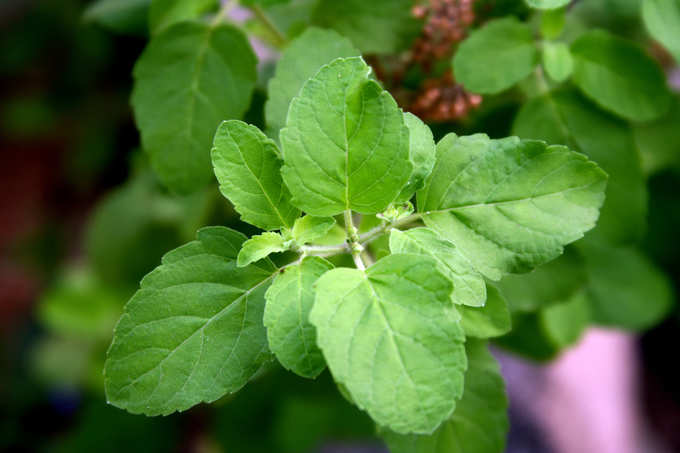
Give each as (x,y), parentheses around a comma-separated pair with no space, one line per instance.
(557,61)
(496,56)
(289,300)
(566,322)
(468,285)
(606,66)
(377,26)
(190,77)
(127,17)
(193,331)
(422,151)
(248,168)
(552,23)
(491,320)
(309,228)
(345,144)
(547,4)
(546,285)
(260,246)
(479,424)
(392,337)
(164,13)
(567,118)
(625,289)
(300,61)
(662,19)
(510,205)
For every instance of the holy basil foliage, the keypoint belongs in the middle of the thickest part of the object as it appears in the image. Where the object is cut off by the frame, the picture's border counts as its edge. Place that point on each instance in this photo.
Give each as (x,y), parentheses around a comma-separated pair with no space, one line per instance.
(392,333)
(459,241)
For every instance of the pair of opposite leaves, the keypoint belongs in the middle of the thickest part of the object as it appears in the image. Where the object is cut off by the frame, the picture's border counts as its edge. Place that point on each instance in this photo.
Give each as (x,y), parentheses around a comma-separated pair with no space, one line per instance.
(390,335)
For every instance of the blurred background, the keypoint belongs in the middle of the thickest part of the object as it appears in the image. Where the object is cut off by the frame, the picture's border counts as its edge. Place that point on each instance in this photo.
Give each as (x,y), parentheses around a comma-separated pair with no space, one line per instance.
(82,219)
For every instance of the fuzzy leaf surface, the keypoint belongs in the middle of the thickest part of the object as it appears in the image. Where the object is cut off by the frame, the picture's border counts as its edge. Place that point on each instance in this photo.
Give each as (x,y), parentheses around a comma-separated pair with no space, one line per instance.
(190,77)
(392,337)
(345,144)
(479,424)
(510,205)
(248,167)
(193,332)
(292,338)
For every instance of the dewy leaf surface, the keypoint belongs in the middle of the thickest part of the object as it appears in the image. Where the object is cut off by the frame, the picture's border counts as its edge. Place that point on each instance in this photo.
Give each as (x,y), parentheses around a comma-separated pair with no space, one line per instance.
(662,19)
(260,246)
(496,56)
(377,26)
(345,144)
(422,151)
(509,205)
(191,77)
(248,167)
(567,118)
(292,338)
(479,424)
(303,58)
(392,337)
(468,284)
(193,332)
(619,76)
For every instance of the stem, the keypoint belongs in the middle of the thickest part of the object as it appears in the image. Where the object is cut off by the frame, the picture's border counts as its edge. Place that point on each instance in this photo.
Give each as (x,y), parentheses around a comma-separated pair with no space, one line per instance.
(380,230)
(279,38)
(223,12)
(353,241)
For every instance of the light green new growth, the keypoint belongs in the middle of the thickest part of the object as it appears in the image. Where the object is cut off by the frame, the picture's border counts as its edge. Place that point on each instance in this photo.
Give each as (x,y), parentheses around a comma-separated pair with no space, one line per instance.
(260,246)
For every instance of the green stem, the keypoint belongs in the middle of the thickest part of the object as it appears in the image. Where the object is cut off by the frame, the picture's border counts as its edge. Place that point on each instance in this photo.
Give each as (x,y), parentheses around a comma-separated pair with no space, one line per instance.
(354,243)
(279,38)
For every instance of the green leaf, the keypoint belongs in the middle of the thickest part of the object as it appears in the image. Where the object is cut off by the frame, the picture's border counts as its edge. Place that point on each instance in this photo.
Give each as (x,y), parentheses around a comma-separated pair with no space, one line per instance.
(300,61)
(626,290)
(392,337)
(191,77)
(546,285)
(193,332)
(659,141)
(479,424)
(309,228)
(662,19)
(528,338)
(79,305)
(510,205)
(468,285)
(260,246)
(345,144)
(496,56)
(605,66)
(289,300)
(422,151)
(565,117)
(127,17)
(547,4)
(378,26)
(557,61)
(164,13)
(565,323)
(491,320)
(248,168)
(552,22)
